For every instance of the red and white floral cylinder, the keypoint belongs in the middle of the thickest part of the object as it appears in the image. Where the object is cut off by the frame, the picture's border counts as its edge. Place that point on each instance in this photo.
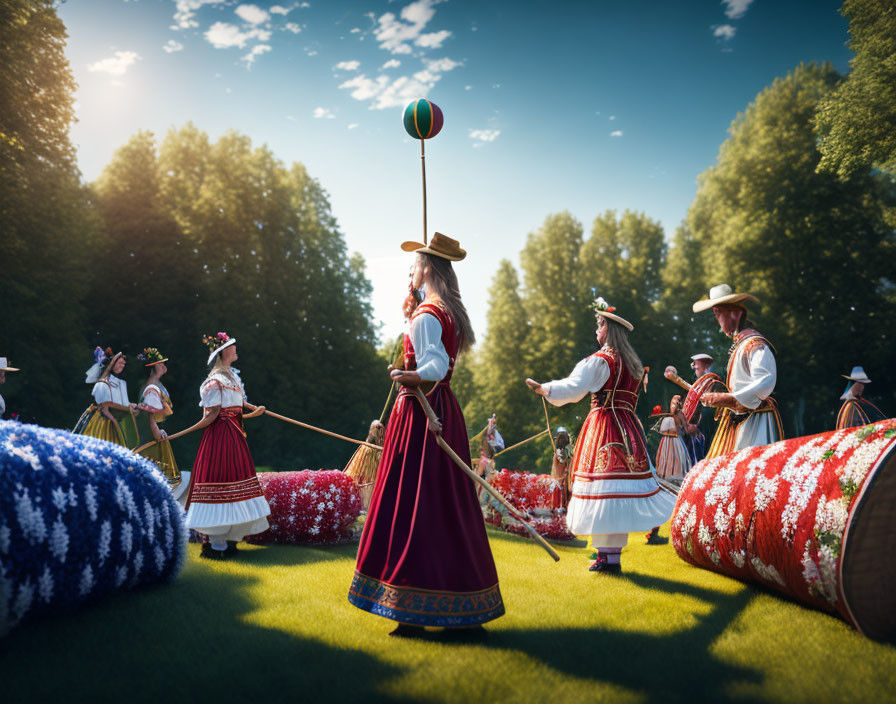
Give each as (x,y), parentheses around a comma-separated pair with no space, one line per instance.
(813,517)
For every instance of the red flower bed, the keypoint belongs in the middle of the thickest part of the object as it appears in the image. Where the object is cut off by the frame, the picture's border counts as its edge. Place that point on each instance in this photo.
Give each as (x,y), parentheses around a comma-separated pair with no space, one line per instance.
(537,497)
(308,506)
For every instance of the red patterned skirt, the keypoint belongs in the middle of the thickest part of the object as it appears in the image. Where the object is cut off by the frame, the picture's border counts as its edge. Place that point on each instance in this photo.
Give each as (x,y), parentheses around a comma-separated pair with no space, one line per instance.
(614,490)
(424,556)
(225,499)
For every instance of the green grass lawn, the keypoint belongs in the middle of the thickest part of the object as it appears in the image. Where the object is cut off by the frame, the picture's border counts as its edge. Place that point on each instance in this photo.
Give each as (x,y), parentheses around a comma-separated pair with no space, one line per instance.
(275,625)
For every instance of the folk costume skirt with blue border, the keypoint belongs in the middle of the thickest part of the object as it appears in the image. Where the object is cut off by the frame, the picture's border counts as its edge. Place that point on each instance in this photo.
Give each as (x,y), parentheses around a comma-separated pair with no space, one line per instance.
(424,556)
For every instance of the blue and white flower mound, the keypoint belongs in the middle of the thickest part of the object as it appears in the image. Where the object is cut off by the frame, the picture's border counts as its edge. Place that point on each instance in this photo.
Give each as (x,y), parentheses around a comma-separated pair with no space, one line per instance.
(79,518)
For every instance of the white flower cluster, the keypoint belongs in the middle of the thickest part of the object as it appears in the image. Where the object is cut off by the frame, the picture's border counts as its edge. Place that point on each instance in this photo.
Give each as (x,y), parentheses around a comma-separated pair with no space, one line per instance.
(767,572)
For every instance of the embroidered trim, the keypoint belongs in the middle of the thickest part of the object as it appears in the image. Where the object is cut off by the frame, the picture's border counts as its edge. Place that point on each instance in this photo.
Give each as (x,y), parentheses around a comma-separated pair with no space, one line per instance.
(425,607)
(616,496)
(226,493)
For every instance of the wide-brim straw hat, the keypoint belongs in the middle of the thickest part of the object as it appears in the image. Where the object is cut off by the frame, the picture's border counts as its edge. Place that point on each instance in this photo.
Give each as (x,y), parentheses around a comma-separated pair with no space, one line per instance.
(211,357)
(617,318)
(722,295)
(158,361)
(857,374)
(4,366)
(439,246)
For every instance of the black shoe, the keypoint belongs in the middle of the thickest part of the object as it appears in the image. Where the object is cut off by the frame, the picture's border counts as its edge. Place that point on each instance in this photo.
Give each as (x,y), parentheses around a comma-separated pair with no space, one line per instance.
(407,630)
(209,553)
(601,564)
(231,548)
(653,537)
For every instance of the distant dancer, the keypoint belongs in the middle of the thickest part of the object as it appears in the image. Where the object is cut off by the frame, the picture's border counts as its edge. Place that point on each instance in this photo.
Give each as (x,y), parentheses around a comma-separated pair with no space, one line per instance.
(857,411)
(111,416)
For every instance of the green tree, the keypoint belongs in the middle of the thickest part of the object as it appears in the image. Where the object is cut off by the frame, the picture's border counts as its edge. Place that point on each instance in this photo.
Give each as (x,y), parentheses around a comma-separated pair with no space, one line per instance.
(500,369)
(856,122)
(48,233)
(813,247)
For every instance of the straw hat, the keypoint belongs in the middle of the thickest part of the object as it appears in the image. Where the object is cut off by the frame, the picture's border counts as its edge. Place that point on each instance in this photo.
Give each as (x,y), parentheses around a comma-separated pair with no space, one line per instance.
(439,246)
(4,366)
(702,355)
(722,295)
(605,310)
(858,374)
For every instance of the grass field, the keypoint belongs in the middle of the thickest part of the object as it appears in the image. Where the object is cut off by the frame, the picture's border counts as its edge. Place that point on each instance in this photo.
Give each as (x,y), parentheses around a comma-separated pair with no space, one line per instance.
(275,625)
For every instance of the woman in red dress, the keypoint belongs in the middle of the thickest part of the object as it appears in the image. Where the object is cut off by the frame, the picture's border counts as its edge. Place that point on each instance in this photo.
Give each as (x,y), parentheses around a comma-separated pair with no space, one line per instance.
(424,557)
(225,502)
(614,488)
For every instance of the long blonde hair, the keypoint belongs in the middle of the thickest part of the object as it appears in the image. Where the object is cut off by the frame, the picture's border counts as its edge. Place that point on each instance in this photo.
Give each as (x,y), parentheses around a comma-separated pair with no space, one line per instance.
(219,366)
(444,285)
(617,339)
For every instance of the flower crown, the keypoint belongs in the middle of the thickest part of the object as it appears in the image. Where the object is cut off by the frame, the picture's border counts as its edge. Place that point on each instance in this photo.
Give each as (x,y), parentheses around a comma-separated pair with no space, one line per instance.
(151,355)
(600,305)
(102,356)
(213,342)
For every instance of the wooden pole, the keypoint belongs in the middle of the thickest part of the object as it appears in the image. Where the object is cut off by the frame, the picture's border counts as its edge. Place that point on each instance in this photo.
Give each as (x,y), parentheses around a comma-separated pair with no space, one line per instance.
(423,166)
(521,442)
(547,421)
(321,430)
(170,437)
(479,480)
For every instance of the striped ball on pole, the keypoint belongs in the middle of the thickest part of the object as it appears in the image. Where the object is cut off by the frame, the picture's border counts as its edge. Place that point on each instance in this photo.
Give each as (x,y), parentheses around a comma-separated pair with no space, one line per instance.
(423,119)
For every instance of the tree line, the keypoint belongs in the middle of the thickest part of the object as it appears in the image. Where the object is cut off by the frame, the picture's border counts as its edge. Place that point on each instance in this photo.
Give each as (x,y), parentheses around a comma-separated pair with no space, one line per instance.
(184,235)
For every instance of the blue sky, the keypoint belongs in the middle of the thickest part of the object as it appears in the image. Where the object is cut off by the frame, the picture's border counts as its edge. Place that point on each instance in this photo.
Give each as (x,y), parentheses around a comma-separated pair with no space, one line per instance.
(579,106)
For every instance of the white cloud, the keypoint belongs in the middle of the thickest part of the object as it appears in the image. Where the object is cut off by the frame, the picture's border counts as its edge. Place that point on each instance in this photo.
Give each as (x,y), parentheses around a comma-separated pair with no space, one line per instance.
(484,135)
(280,10)
(385,92)
(321,113)
(391,63)
(185,12)
(355,30)
(222,35)
(310,52)
(612,117)
(348,66)
(440,65)
(115,65)
(468,87)
(353,125)
(616,133)
(724,31)
(292,27)
(252,14)
(173,46)
(735,9)
(256,50)
(395,33)
(364,88)
(433,40)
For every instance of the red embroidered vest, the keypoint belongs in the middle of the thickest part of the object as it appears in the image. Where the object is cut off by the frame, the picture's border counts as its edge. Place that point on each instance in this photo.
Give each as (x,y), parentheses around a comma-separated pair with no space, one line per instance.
(449,338)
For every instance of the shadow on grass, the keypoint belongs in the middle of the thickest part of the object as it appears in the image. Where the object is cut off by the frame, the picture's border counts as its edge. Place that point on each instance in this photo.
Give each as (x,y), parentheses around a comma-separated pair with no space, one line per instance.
(664,668)
(272,554)
(190,641)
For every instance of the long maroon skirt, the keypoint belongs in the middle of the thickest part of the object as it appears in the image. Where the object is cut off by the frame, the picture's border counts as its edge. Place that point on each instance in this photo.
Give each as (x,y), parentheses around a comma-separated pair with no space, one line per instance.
(424,556)
(224,492)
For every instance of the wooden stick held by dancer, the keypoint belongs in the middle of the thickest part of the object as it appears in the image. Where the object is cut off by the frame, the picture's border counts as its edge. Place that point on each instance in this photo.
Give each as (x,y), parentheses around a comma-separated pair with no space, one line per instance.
(435,427)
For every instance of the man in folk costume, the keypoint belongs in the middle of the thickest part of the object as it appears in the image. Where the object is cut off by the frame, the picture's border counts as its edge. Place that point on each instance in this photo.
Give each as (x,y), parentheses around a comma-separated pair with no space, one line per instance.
(424,557)
(4,367)
(695,439)
(857,411)
(614,488)
(750,415)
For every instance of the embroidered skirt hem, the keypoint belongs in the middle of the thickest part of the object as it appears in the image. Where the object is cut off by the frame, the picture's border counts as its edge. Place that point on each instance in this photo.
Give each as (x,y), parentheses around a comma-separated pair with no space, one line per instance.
(424,607)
